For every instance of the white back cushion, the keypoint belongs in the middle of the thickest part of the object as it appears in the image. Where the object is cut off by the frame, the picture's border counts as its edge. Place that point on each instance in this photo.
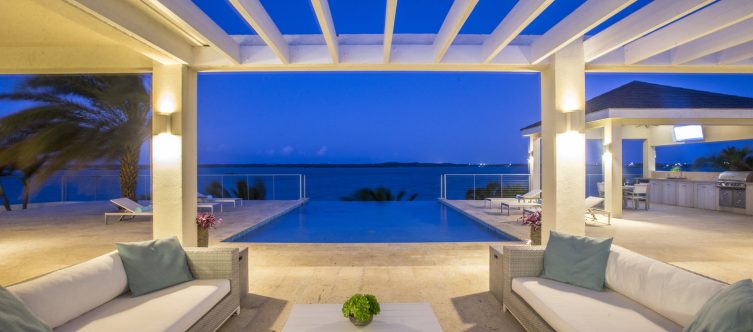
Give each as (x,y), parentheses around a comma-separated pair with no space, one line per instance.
(68,293)
(670,291)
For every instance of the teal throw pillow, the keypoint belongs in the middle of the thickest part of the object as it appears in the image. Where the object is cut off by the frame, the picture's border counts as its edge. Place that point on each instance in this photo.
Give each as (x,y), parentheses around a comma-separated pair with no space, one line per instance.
(576,260)
(729,310)
(154,265)
(16,317)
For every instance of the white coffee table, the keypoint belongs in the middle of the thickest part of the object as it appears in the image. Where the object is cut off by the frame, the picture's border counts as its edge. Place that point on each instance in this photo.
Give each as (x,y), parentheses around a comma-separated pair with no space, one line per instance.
(395,317)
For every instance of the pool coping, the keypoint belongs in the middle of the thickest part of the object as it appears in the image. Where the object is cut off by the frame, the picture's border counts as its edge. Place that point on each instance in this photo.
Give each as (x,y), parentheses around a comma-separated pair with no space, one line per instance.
(486,224)
(264,221)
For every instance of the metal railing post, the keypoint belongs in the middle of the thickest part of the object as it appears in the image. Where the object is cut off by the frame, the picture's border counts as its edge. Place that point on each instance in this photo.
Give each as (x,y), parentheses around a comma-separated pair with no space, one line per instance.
(274,196)
(474,187)
(300,187)
(222,186)
(501,186)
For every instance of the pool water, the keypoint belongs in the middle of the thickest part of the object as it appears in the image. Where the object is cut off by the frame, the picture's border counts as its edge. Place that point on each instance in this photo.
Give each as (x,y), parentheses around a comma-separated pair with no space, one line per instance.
(371,222)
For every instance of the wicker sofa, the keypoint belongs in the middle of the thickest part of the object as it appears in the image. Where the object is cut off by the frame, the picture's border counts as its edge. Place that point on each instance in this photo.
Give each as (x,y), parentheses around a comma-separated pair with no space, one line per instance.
(641,294)
(93,296)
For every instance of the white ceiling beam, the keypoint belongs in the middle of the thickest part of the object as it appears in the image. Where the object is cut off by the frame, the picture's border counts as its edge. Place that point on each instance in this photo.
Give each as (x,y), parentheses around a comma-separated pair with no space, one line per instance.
(127,25)
(324,17)
(389,28)
(702,23)
(454,20)
(736,54)
(72,60)
(197,25)
(640,23)
(524,12)
(574,26)
(257,17)
(728,37)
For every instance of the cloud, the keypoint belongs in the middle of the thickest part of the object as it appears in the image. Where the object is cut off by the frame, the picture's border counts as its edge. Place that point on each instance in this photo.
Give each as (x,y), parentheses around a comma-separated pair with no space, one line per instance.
(287,150)
(322,151)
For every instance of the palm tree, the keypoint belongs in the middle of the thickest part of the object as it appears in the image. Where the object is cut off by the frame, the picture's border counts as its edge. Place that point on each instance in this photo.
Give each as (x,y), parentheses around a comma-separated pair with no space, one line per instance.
(5,170)
(76,121)
(730,159)
(379,194)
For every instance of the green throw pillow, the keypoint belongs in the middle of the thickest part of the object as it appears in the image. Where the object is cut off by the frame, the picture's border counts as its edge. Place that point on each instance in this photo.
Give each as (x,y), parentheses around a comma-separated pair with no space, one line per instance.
(154,265)
(576,260)
(729,310)
(16,317)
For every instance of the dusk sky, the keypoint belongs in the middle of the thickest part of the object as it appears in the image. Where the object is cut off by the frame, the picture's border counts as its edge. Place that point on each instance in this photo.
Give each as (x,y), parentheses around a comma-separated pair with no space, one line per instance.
(343,117)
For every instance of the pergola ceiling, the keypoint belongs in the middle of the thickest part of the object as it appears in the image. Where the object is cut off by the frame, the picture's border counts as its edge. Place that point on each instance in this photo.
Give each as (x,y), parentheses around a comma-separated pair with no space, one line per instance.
(655,36)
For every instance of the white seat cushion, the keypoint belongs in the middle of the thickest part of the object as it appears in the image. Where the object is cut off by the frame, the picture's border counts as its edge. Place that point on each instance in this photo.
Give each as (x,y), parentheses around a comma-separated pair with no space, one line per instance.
(569,308)
(68,293)
(175,308)
(671,291)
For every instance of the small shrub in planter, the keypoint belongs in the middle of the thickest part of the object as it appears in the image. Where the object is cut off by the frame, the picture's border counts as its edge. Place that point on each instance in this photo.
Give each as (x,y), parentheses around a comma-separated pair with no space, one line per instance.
(361,308)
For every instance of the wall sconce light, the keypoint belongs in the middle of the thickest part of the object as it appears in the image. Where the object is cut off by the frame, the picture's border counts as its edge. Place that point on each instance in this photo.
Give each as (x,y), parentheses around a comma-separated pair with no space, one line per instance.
(166,123)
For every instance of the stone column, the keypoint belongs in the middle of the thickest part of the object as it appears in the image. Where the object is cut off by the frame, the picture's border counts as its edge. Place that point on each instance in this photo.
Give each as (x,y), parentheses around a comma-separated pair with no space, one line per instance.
(563,142)
(534,162)
(174,160)
(649,157)
(612,162)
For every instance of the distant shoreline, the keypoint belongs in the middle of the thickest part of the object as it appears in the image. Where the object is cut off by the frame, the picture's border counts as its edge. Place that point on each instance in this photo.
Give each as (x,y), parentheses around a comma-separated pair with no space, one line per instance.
(328,165)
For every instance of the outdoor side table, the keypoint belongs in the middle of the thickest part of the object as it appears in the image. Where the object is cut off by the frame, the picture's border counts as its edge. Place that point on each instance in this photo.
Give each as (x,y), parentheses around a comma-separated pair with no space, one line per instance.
(393,318)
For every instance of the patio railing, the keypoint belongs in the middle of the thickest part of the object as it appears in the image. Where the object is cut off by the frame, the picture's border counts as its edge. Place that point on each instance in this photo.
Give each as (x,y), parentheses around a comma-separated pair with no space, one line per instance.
(480,186)
(93,187)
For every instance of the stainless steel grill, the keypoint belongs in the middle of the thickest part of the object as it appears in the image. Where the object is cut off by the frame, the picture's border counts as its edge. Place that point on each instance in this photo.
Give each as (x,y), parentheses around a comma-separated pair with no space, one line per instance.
(732,188)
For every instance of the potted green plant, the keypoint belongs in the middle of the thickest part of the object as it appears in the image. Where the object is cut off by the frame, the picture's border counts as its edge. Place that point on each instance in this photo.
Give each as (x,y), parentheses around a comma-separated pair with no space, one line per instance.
(204,221)
(361,308)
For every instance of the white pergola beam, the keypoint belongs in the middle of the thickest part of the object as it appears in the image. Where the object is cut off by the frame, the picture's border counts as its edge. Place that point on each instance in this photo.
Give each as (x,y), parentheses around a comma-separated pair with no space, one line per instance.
(524,12)
(389,28)
(736,54)
(454,20)
(574,26)
(640,23)
(256,16)
(702,23)
(324,17)
(198,26)
(126,24)
(723,39)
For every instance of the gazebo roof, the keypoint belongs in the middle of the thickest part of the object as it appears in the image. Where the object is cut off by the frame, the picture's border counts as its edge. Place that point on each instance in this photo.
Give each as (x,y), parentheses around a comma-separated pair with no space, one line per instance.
(638,94)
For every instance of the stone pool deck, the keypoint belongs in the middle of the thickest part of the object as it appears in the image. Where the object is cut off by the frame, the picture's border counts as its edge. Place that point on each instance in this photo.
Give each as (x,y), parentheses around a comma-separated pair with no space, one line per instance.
(453,277)
(713,243)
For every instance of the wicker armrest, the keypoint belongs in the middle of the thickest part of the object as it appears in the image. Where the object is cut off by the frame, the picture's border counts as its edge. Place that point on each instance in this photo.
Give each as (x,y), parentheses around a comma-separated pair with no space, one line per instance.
(214,263)
(523,261)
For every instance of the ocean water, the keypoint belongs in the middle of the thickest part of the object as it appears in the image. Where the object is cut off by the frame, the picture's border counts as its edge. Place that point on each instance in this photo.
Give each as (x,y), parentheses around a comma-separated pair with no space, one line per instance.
(321,183)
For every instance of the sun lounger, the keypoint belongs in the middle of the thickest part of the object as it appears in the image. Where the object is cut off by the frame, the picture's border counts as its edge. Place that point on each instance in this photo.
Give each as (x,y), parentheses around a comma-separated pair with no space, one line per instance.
(210,199)
(591,209)
(530,196)
(129,209)
(516,205)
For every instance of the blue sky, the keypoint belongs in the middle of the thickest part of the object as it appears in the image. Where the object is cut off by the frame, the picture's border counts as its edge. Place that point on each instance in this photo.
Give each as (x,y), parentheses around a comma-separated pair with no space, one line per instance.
(379,117)
(351,117)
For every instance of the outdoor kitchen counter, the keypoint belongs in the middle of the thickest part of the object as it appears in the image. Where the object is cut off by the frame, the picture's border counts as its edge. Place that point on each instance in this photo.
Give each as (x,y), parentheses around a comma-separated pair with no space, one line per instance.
(702,194)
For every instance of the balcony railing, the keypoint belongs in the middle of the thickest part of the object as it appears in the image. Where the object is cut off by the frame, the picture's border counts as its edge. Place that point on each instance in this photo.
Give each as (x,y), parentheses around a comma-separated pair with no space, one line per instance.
(481,186)
(92,187)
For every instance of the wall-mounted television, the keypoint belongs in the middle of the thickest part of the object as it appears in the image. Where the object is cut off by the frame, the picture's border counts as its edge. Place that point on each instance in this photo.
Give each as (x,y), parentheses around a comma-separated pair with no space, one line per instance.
(688,133)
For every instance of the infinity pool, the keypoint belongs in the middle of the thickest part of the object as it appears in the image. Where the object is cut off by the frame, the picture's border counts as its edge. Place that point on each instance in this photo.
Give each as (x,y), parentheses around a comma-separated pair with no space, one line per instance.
(371,222)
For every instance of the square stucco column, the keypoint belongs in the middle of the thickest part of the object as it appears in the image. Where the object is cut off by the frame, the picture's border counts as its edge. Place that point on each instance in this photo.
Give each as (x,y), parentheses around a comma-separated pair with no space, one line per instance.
(174,160)
(612,163)
(563,142)
(534,162)
(649,158)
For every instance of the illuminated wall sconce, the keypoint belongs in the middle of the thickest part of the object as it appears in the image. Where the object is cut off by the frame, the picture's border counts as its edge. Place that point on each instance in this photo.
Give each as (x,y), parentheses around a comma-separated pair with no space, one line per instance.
(166,123)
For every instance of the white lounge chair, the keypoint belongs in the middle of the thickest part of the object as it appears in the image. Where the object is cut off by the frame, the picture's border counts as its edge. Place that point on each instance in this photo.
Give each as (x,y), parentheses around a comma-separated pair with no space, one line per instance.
(211,199)
(591,209)
(531,196)
(129,209)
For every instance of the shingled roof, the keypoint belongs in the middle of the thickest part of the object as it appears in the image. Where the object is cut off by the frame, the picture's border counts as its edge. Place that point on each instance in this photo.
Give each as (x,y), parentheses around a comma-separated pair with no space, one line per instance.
(637,94)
